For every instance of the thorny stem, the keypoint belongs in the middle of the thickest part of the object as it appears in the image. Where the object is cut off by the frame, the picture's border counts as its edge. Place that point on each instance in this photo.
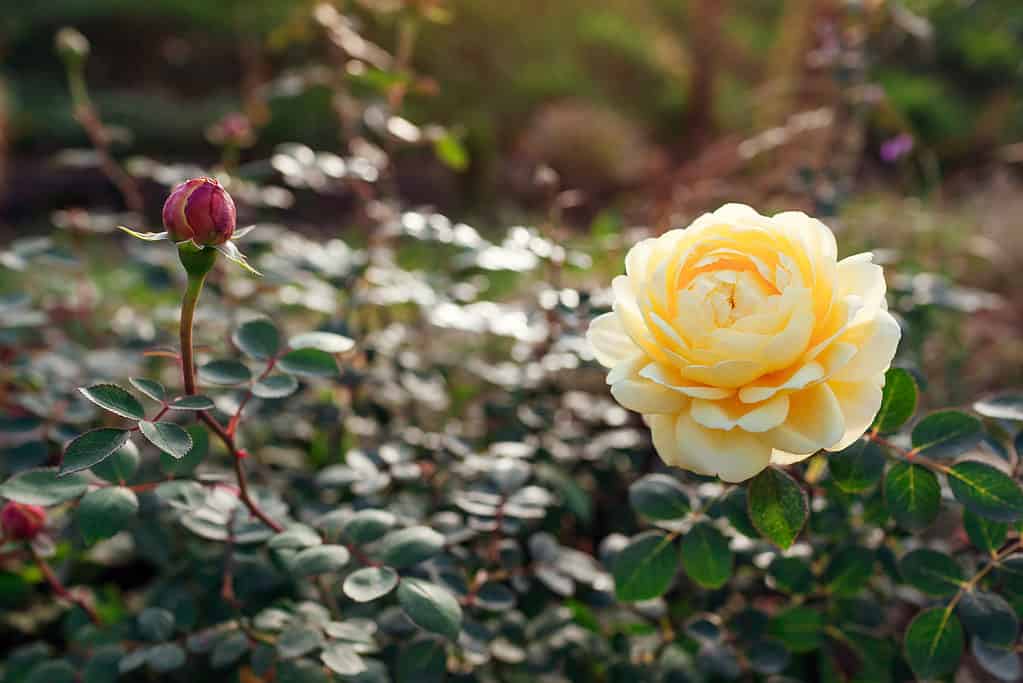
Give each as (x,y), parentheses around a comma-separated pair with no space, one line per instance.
(239,471)
(197,263)
(60,589)
(86,115)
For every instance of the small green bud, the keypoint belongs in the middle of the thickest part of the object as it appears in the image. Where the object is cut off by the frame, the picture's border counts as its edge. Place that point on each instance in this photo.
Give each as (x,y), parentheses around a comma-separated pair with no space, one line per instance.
(72,46)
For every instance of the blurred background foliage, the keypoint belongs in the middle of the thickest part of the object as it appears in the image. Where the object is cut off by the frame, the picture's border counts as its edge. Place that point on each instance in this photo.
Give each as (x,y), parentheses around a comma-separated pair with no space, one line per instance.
(899,122)
(613,90)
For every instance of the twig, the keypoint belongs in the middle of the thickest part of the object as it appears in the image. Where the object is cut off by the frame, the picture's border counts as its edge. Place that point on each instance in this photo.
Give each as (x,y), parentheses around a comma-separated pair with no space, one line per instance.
(60,589)
(88,118)
(232,425)
(971,583)
(243,485)
(910,455)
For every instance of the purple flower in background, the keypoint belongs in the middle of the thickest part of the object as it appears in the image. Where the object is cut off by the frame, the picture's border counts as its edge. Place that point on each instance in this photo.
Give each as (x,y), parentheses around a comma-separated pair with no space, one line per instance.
(897,147)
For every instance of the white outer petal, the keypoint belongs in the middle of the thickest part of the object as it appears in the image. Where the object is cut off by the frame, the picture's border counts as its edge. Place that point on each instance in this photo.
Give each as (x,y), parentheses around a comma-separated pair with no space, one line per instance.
(609,341)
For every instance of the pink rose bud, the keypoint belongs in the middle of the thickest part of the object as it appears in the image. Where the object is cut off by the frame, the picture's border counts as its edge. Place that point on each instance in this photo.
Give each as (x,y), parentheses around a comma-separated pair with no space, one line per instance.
(22,522)
(232,129)
(200,210)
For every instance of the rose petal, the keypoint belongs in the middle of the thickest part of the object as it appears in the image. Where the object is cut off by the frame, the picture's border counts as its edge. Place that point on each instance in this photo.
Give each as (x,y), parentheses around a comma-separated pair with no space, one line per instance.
(877,341)
(814,421)
(729,414)
(611,345)
(648,397)
(859,403)
(734,455)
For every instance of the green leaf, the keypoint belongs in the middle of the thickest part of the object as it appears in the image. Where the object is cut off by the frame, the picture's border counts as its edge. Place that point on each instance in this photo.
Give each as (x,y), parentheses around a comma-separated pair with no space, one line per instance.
(233,254)
(147,236)
(192,403)
(312,362)
(767,656)
(791,575)
(183,467)
(857,468)
(849,571)
(168,437)
(166,657)
(44,487)
(225,373)
(798,628)
(706,557)
(451,152)
(645,568)
(659,497)
(257,339)
(986,491)
(989,617)
(20,424)
(1002,663)
(430,607)
(946,433)
(913,495)
(113,398)
(985,534)
(1002,407)
(370,583)
(406,547)
(320,559)
(295,537)
(898,402)
(104,665)
(932,572)
(934,643)
(298,639)
(422,661)
(275,386)
(736,509)
(156,624)
(149,387)
(324,341)
(53,671)
(366,526)
(106,511)
(777,506)
(1010,572)
(342,659)
(121,466)
(229,650)
(91,448)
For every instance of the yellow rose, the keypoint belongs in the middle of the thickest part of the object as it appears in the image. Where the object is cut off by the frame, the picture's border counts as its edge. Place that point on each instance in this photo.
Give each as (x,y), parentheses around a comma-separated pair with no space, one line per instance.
(744,341)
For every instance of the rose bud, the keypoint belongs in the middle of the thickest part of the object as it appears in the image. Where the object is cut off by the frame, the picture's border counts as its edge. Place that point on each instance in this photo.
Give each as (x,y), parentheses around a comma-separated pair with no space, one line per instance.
(22,522)
(71,45)
(234,129)
(200,210)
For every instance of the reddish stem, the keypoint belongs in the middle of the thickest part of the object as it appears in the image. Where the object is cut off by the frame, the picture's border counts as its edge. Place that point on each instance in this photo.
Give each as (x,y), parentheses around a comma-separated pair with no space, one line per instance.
(60,589)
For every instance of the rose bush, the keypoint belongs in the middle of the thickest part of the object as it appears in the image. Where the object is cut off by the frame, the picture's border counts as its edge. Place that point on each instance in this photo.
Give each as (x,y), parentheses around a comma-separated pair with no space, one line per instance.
(743,341)
(369,467)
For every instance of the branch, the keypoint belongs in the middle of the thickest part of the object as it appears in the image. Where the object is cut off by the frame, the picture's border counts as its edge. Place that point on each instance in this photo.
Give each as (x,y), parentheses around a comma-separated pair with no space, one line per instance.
(243,485)
(61,590)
